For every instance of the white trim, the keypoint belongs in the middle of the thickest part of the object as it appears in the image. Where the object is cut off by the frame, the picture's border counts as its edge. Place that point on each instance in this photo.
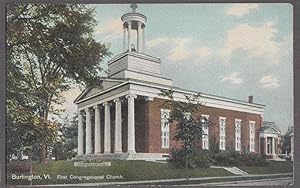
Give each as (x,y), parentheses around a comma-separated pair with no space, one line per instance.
(153,90)
(211,101)
(111,98)
(97,94)
(265,135)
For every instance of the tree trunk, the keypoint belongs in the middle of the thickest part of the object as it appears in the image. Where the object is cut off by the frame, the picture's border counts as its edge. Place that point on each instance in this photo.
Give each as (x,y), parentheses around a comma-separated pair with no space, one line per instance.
(30,162)
(43,151)
(187,170)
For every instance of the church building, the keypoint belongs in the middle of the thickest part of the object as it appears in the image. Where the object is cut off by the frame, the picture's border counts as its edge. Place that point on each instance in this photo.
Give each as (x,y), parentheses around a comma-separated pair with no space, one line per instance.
(125,118)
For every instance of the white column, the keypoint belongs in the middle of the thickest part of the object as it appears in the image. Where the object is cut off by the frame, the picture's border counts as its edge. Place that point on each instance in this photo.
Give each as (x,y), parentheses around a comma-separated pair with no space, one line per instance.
(131,124)
(273,146)
(129,36)
(124,38)
(88,129)
(97,130)
(80,134)
(266,149)
(118,127)
(143,42)
(107,143)
(139,37)
(259,144)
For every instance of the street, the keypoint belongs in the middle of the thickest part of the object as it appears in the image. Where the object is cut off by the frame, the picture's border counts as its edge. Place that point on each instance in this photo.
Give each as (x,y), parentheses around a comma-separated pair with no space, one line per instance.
(263,182)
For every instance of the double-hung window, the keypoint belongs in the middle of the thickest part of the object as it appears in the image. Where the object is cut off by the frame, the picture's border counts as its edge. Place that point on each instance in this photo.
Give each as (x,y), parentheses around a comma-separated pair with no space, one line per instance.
(238,124)
(205,140)
(165,128)
(222,123)
(252,135)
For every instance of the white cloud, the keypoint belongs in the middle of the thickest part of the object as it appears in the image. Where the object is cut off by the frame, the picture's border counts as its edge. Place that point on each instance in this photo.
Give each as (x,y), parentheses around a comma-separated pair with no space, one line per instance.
(233,78)
(256,41)
(241,10)
(180,51)
(202,53)
(269,81)
(155,42)
(112,29)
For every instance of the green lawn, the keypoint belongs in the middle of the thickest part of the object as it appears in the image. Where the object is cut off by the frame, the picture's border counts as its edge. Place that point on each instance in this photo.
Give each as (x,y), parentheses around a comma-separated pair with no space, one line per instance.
(129,170)
(275,167)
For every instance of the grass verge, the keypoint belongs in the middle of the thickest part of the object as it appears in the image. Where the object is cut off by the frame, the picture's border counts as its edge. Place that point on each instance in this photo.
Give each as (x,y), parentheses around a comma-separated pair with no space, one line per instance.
(275,167)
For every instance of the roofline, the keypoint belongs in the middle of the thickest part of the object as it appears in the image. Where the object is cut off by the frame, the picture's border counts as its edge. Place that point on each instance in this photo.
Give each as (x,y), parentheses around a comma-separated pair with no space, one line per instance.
(135,54)
(179,90)
(220,98)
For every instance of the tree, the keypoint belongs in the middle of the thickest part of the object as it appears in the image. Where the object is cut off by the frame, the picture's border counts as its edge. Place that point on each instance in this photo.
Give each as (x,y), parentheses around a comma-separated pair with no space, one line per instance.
(286,141)
(49,47)
(67,142)
(184,115)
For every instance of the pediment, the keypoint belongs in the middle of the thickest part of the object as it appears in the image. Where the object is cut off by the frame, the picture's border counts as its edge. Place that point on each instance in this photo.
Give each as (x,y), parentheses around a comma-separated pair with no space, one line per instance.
(271,130)
(106,85)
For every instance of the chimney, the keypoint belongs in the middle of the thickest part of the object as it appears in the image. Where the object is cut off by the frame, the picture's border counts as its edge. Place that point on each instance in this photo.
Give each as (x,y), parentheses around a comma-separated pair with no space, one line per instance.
(250,99)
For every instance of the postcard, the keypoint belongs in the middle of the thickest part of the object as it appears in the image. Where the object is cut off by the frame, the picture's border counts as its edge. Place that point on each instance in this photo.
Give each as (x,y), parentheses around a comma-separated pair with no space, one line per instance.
(150,94)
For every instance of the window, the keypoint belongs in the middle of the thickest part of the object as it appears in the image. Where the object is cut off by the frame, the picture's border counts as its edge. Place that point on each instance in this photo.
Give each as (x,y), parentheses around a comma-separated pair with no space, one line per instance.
(205,141)
(238,123)
(252,135)
(222,123)
(165,128)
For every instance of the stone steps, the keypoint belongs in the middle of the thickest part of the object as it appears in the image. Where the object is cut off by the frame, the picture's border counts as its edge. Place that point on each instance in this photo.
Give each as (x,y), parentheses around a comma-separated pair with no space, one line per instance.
(235,171)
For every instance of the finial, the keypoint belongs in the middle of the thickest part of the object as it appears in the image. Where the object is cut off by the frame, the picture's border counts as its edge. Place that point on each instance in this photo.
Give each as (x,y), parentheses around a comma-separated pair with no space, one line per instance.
(133,6)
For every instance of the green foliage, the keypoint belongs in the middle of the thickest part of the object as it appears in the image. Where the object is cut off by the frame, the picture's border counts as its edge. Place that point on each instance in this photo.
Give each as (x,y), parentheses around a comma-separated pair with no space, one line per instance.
(188,130)
(64,147)
(286,141)
(48,47)
(199,159)
(236,158)
(214,156)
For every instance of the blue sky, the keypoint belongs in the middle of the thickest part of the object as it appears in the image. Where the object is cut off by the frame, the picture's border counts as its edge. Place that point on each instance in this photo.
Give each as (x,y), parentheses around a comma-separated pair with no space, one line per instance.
(231,50)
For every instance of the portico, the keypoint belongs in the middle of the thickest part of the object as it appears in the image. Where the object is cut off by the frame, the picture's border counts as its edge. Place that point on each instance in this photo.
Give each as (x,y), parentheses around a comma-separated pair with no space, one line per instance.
(269,137)
(91,116)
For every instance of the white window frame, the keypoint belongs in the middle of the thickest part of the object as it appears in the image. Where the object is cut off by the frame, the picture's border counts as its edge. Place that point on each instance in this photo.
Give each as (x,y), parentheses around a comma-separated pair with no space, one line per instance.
(252,125)
(222,126)
(165,128)
(205,135)
(238,130)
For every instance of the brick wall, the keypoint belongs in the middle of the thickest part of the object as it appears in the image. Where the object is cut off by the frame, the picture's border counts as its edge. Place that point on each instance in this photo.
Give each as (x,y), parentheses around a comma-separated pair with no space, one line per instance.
(154,120)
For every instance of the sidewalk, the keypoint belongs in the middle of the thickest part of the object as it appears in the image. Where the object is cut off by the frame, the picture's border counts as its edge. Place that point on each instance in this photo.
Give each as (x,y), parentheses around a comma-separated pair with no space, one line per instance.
(172,181)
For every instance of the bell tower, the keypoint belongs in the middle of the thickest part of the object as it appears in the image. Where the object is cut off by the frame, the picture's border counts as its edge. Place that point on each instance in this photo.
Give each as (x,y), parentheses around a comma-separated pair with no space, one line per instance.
(134,21)
(133,63)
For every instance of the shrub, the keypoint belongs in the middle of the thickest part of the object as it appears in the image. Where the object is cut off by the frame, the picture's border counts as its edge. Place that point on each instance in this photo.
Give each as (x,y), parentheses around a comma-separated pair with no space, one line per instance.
(18,167)
(236,158)
(198,160)
(253,159)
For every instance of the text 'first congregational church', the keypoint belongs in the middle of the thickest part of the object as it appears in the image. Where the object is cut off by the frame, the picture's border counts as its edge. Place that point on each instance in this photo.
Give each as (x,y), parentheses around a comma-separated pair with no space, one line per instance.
(125,118)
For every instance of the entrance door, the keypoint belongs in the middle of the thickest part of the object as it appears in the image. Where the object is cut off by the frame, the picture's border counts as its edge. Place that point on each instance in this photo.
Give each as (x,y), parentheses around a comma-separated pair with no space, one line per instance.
(269,145)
